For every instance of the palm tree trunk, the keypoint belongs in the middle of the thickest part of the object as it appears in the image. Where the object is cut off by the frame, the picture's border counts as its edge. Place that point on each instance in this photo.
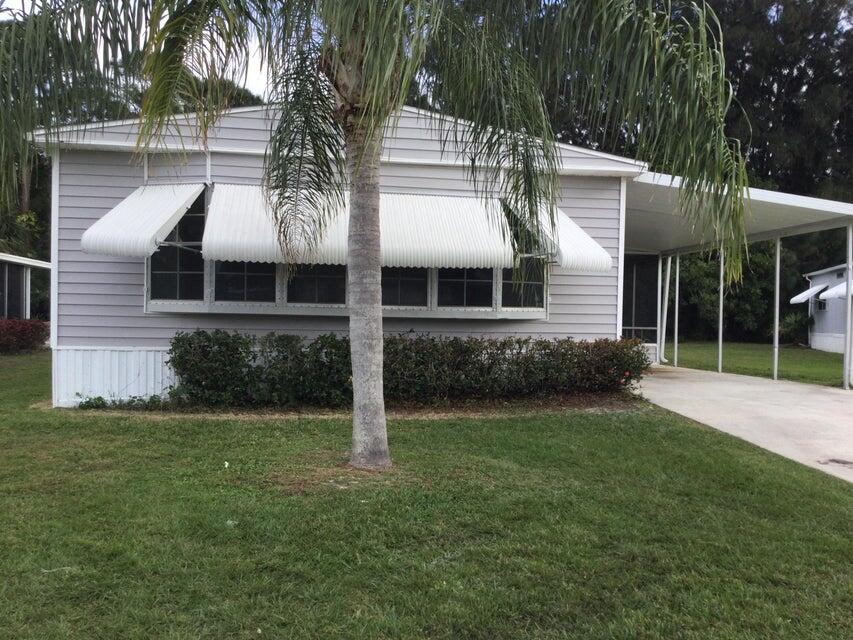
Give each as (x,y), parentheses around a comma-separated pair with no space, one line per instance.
(364,276)
(26,179)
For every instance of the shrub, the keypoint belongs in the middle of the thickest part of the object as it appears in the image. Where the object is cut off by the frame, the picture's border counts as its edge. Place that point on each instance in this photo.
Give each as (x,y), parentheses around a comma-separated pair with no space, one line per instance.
(22,335)
(229,369)
(795,326)
(216,368)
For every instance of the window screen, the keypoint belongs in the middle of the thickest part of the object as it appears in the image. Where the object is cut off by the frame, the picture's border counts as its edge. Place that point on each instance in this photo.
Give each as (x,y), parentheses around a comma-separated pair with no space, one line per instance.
(245,282)
(464,287)
(404,287)
(14,291)
(318,284)
(528,288)
(177,269)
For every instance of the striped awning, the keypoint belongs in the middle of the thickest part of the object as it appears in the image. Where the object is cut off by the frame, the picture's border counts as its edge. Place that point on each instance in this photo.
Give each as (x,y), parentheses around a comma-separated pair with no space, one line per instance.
(416,230)
(139,223)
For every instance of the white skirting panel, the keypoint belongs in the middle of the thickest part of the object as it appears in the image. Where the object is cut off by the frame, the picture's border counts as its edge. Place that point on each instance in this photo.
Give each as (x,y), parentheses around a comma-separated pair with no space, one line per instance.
(652,351)
(114,374)
(833,342)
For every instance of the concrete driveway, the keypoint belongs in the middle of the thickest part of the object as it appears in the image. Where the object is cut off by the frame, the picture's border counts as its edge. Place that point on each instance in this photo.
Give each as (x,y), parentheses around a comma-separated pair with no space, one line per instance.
(807,423)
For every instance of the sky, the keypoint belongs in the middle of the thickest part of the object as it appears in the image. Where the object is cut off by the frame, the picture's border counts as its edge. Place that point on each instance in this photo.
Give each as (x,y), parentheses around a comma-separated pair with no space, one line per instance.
(256,77)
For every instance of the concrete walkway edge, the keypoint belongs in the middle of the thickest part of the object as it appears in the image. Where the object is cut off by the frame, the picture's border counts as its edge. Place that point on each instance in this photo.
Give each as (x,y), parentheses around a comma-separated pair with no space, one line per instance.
(807,423)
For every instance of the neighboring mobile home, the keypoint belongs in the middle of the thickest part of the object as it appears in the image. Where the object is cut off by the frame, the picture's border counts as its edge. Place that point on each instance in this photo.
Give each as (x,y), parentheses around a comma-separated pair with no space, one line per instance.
(15,285)
(826,308)
(180,238)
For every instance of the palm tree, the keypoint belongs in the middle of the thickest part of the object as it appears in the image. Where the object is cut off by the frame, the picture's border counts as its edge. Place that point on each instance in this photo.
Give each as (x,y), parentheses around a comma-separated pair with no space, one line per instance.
(651,70)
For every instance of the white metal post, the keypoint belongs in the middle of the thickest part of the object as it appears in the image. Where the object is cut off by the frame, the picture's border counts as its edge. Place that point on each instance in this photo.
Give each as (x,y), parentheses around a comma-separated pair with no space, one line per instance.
(720,314)
(675,318)
(657,329)
(847,299)
(776,311)
(665,310)
(27,287)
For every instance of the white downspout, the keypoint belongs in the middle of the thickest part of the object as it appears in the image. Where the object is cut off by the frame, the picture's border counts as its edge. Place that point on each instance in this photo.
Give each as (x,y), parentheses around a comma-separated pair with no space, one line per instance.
(665,310)
(657,330)
(675,318)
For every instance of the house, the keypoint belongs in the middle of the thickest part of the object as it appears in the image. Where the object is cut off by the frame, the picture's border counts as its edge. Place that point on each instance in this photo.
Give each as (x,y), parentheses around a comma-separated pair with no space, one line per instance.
(826,309)
(180,238)
(15,285)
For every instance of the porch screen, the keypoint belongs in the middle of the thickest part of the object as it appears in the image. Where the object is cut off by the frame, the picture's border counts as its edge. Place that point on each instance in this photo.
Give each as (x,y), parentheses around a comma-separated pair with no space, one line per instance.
(639,317)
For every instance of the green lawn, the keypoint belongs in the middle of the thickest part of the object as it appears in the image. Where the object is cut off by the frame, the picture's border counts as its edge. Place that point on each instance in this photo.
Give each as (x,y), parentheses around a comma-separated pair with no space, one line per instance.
(795,363)
(629,523)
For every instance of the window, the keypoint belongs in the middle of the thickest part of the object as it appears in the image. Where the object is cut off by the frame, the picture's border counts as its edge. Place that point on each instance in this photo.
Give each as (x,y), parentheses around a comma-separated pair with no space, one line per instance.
(177,269)
(528,290)
(465,288)
(403,287)
(318,284)
(244,282)
(821,305)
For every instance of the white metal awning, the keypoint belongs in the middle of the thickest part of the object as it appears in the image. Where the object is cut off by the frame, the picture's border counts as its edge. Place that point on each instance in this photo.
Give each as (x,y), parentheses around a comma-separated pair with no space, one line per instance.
(417,230)
(808,294)
(837,291)
(141,221)
(574,249)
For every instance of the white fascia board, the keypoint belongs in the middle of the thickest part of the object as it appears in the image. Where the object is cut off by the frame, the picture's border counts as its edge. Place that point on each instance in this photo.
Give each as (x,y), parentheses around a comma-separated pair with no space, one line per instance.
(21,260)
(95,126)
(820,272)
(760,195)
(568,169)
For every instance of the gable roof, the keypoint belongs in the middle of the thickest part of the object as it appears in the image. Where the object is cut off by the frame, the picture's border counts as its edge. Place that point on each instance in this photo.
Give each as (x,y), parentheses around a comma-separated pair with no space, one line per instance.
(820,272)
(120,135)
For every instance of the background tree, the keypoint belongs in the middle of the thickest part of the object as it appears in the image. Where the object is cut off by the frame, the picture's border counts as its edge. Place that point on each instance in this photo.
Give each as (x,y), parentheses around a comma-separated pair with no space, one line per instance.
(790,66)
(339,71)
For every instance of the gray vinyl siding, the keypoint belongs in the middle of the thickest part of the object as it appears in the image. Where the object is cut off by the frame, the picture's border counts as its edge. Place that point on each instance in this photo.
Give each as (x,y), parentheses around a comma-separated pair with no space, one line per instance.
(101,298)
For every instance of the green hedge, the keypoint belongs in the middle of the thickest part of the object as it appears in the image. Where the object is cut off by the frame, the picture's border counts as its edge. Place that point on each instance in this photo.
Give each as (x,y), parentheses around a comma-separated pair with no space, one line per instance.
(219,368)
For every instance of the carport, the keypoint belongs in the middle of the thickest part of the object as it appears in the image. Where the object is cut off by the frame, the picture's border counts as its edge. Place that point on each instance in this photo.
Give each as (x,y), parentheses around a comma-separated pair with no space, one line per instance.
(654,226)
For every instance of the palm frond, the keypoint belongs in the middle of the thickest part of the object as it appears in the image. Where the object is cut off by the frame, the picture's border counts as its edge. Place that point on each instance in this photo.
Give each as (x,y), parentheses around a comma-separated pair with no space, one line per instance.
(653,72)
(60,63)
(189,40)
(305,166)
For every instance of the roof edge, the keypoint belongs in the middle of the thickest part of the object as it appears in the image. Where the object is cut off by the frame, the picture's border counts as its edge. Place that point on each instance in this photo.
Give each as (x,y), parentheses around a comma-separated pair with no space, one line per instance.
(21,260)
(568,169)
(820,272)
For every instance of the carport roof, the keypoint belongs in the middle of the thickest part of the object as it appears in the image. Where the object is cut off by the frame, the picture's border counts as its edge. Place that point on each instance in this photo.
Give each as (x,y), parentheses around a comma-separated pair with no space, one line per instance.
(654,224)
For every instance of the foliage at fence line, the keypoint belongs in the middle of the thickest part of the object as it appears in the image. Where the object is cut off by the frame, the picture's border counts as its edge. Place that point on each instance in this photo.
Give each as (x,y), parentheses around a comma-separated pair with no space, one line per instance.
(219,368)
(22,335)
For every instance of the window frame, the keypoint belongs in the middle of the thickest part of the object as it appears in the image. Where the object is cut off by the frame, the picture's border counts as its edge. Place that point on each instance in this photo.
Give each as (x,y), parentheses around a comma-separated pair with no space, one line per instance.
(216,302)
(495,299)
(314,305)
(192,245)
(429,290)
(544,283)
(282,306)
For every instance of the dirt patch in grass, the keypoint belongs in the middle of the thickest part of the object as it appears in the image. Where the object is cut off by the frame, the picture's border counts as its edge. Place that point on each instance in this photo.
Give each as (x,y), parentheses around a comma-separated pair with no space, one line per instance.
(334,475)
(475,408)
